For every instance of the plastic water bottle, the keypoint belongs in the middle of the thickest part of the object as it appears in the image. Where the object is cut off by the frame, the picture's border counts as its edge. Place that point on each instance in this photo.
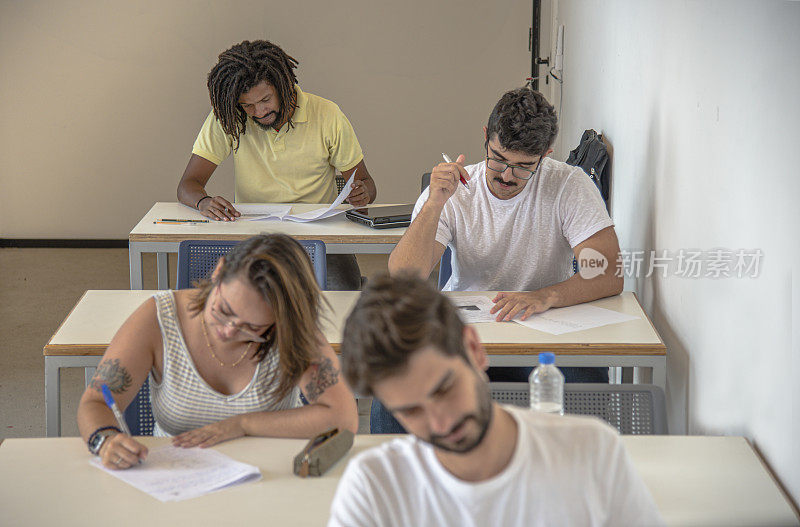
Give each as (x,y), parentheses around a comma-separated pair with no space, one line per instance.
(547,386)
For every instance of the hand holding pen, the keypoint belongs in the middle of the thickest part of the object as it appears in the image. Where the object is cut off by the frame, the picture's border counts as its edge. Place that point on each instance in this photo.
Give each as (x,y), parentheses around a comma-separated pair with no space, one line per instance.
(460,162)
(445,178)
(120,451)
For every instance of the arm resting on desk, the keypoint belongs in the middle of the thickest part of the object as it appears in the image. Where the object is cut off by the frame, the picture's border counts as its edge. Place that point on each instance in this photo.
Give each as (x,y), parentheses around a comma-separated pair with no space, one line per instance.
(331,405)
(574,290)
(192,188)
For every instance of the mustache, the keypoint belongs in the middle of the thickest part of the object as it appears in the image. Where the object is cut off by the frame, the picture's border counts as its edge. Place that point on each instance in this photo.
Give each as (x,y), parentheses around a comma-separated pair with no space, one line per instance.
(509,183)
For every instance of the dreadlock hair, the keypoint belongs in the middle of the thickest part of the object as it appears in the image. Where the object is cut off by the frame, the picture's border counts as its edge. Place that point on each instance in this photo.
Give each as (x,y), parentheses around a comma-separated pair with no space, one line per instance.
(241,68)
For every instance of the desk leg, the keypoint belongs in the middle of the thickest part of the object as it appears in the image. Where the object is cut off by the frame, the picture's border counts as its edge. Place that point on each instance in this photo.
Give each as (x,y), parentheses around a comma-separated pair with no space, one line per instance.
(88,373)
(660,374)
(162,267)
(52,398)
(135,262)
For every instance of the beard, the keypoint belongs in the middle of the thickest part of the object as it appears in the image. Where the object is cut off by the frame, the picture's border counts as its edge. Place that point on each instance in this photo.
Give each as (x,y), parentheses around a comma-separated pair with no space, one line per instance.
(482,418)
(266,127)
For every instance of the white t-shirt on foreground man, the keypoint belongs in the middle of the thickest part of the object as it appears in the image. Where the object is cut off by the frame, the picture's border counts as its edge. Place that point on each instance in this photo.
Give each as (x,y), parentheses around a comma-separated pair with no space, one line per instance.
(470,461)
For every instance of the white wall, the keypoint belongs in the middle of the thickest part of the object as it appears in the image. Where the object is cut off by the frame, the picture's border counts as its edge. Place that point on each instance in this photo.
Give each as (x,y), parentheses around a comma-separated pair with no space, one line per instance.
(101,101)
(700,102)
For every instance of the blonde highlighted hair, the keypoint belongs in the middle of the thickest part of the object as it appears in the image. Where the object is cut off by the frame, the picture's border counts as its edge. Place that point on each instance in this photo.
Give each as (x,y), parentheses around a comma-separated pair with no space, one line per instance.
(280,269)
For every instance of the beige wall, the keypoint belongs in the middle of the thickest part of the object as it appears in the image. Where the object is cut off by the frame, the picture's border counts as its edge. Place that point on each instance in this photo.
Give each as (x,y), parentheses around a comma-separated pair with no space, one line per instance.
(101,101)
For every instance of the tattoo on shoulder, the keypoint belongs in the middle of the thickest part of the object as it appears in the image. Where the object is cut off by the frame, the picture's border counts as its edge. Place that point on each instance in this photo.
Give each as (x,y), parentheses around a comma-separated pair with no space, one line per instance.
(323,376)
(112,373)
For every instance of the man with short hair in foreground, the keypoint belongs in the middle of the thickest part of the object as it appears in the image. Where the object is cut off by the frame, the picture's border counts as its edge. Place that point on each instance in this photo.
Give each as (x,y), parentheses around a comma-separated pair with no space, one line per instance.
(470,461)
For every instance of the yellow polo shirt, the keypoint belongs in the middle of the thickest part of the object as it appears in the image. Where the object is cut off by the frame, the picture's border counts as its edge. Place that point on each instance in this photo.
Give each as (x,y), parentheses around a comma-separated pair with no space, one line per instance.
(293,164)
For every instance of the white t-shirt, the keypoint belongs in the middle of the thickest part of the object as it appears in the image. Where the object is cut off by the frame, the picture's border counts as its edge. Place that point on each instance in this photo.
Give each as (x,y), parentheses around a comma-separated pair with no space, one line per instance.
(523,243)
(566,470)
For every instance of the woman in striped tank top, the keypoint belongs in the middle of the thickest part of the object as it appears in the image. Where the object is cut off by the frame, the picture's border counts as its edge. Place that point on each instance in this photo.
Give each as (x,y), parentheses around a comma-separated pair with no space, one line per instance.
(227,359)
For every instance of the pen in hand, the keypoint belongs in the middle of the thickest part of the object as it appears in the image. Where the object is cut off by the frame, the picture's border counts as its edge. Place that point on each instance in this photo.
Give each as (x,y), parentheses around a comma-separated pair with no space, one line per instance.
(115,409)
(112,404)
(460,176)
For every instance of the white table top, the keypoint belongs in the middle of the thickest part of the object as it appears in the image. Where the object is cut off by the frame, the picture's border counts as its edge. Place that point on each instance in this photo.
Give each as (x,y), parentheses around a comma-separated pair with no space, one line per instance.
(337,229)
(694,481)
(88,329)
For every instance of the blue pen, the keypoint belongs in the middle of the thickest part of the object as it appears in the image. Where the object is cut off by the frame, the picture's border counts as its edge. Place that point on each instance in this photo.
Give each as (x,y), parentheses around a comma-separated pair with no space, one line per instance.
(113,405)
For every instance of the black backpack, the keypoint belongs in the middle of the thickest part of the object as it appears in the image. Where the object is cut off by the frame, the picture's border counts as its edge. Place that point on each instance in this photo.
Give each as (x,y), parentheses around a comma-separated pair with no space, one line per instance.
(592,156)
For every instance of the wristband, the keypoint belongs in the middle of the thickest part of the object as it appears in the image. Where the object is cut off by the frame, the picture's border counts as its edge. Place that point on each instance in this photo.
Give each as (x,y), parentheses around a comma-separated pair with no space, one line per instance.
(197,206)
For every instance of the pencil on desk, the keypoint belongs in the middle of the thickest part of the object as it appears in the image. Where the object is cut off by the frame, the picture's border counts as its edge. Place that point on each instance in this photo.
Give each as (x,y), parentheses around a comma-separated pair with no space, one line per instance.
(173,220)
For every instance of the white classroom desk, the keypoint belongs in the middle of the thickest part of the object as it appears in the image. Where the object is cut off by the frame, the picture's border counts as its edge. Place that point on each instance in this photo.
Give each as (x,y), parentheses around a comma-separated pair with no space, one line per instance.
(695,481)
(340,235)
(82,338)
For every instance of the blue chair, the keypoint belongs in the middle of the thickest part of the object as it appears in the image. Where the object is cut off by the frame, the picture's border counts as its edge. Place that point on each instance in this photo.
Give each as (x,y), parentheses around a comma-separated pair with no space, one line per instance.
(139,414)
(198,258)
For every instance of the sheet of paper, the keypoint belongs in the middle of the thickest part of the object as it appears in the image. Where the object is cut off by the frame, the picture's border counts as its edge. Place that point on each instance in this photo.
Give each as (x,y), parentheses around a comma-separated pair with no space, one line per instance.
(324,212)
(262,211)
(474,309)
(173,474)
(574,318)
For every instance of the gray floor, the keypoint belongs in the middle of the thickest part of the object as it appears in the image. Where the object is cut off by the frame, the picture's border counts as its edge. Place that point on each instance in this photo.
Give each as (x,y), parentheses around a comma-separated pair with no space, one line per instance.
(38,287)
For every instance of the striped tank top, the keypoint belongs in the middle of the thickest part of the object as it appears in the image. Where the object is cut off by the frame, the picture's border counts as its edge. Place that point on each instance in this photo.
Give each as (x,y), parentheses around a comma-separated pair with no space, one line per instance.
(184,401)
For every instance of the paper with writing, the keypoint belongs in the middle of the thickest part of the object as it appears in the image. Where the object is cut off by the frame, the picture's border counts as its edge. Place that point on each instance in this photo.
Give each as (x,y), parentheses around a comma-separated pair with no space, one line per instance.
(574,318)
(474,309)
(262,211)
(312,215)
(173,474)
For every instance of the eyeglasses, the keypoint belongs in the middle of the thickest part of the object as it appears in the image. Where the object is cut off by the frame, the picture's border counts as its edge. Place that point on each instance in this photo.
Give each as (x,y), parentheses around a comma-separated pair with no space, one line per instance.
(227,321)
(495,165)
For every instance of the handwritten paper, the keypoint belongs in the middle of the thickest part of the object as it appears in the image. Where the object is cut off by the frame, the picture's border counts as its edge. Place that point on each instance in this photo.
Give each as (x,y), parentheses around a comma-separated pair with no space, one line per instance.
(313,215)
(262,211)
(574,318)
(474,309)
(173,474)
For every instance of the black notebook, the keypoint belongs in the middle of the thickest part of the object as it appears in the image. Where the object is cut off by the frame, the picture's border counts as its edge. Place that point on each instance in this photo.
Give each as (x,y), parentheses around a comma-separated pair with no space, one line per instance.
(382,216)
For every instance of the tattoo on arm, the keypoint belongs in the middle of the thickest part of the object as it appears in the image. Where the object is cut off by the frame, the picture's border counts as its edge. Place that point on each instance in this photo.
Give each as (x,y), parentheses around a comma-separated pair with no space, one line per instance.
(323,376)
(112,373)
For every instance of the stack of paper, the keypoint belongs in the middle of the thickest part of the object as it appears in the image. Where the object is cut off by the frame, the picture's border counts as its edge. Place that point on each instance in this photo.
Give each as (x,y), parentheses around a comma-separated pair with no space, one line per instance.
(260,211)
(173,474)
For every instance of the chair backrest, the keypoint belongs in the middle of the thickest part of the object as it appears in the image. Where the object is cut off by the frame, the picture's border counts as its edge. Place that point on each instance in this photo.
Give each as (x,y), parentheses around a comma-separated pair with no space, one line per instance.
(198,258)
(139,414)
(445,267)
(636,409)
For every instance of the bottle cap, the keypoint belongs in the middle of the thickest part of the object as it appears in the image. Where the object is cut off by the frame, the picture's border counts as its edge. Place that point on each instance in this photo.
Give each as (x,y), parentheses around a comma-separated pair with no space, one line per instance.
(547,358)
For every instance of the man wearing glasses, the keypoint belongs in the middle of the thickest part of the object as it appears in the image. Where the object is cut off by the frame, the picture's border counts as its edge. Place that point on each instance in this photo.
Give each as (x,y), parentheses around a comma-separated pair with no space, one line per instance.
(514,227)
(520,221)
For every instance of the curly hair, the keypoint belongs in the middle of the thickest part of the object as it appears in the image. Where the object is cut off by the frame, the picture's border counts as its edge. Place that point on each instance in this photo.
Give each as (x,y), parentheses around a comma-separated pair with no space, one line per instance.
(523,121)
(279,268)
(241,68)
(394,317)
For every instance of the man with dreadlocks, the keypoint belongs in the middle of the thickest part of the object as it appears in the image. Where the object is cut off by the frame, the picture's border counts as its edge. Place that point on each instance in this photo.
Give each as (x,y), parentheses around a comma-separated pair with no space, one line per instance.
(286,144)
